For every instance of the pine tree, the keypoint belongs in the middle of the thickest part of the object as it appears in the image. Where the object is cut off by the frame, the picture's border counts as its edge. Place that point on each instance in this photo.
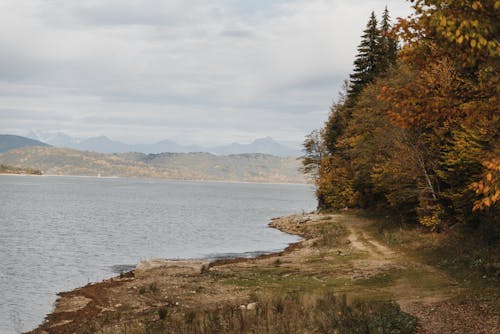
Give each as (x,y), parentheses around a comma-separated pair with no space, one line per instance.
(388,46)
(365,64)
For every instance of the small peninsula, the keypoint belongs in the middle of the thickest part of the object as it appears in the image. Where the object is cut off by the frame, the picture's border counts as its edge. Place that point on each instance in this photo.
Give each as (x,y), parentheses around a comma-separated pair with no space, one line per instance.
(6,169)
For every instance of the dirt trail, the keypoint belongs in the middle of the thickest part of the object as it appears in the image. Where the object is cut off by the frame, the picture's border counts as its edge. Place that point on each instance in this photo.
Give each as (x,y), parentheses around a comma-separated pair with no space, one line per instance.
(355,263)
(363,242)
(427,295)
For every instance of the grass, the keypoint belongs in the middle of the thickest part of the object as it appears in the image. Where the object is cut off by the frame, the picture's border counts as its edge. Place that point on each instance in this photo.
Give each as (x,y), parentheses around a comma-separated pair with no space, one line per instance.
(330,234)
(286,313)
(468,254)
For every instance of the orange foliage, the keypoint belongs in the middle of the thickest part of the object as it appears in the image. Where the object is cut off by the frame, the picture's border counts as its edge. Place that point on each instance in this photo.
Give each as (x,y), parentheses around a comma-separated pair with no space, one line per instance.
(431,96)
(488,188)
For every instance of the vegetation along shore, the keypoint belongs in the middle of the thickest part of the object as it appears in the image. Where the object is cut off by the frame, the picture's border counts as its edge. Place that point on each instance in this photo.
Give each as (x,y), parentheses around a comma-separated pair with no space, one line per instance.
(6,169)
(346,276)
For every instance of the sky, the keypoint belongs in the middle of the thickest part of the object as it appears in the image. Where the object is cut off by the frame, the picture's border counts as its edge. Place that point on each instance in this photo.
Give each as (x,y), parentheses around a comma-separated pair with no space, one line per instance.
(195,71)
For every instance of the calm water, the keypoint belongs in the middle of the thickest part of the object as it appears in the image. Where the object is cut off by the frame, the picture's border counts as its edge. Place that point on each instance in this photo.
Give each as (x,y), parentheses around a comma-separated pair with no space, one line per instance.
(58,233)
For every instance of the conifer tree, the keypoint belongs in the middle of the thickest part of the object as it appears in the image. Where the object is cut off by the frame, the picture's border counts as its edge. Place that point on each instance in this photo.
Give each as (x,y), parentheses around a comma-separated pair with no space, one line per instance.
(388,46)
(365,64)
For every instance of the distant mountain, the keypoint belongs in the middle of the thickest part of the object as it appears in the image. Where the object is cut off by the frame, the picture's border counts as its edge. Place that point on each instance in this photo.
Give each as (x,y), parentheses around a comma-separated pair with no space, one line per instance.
(265,145)
(58,139)
(103,144)
(10,142)
(192,166)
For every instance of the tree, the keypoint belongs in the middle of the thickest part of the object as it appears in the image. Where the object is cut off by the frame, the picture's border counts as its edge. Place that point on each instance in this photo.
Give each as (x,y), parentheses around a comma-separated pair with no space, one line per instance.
(488,188)
(365,64)
(388,44)
(313,154)
(419,131)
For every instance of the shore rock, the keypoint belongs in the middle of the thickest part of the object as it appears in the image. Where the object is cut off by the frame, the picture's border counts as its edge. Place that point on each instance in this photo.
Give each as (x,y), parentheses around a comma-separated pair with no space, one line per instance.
(173,266)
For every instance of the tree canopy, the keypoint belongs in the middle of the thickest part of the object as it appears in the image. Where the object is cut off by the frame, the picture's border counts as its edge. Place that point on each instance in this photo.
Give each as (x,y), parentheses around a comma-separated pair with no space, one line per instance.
(418,132)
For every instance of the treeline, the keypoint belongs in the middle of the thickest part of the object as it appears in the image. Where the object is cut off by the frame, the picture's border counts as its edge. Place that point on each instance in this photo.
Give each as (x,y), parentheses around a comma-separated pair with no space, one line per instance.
(416,131)
(6,169)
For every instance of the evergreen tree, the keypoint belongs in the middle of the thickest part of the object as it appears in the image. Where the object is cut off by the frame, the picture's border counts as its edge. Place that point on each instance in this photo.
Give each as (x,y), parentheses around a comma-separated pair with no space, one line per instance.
(365,64)
(388,46)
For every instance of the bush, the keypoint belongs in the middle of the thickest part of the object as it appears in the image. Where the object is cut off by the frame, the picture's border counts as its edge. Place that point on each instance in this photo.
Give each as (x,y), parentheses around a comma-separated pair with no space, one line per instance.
(162,313)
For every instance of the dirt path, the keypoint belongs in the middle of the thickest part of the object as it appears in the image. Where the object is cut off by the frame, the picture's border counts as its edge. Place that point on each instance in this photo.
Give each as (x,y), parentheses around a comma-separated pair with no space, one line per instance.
(428,295)
(338,254)
(361,241)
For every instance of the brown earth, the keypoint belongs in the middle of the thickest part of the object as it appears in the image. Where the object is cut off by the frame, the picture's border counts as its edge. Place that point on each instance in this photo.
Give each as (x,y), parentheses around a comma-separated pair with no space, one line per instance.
(337,254)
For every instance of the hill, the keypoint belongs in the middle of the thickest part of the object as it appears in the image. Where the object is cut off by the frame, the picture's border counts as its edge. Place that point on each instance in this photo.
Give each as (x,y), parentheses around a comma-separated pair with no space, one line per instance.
(193,166)
(10,142)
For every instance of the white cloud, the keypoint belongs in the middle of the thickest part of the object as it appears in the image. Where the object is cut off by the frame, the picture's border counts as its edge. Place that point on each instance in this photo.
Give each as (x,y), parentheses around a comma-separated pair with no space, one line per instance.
(212,70)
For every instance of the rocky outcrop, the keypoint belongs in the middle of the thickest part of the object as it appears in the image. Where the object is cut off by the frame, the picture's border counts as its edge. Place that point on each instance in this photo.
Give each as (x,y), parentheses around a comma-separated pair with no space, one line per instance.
(173,266)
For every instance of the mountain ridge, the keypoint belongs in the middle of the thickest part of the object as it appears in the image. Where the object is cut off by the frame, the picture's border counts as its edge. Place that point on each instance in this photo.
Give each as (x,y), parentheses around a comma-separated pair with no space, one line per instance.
(103,144)
(255,167)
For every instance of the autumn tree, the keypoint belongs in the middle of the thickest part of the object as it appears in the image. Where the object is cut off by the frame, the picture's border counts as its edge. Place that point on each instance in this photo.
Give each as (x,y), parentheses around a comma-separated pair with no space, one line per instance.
(418,133)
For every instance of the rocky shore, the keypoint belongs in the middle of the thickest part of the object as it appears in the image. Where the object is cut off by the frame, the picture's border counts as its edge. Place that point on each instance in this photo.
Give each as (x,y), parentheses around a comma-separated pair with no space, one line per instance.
(337,255)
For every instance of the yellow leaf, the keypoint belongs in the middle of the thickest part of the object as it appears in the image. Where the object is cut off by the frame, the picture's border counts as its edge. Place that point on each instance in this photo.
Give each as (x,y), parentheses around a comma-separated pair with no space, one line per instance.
(443,21)
(460,39)
(473,43)
(489,177)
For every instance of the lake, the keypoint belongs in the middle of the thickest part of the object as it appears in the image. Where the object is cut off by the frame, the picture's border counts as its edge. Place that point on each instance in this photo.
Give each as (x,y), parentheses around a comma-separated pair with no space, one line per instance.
(59,233)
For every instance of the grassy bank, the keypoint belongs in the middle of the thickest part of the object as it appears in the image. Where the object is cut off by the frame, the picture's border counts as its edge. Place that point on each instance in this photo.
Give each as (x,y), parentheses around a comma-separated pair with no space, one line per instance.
(345,277)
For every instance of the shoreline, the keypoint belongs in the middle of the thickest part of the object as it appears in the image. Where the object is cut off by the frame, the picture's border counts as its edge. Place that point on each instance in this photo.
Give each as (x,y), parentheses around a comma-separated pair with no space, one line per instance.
(62,306)
(162,179)
(339,254)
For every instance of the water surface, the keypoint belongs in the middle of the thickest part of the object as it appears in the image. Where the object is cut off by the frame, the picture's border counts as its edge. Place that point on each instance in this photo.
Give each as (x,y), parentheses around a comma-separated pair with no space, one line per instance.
(58,233)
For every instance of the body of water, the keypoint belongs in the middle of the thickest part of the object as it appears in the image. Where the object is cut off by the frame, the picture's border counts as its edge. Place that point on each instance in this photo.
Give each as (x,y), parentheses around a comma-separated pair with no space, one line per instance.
(58,233)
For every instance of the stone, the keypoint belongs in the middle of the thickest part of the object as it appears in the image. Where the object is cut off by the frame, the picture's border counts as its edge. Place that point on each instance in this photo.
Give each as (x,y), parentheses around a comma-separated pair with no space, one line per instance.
(251,306)
(71,304)
(174,267)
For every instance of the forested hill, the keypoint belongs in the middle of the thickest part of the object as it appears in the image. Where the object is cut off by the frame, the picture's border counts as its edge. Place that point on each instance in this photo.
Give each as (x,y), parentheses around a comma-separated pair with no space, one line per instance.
(416,133)
(193,166)
(10,142)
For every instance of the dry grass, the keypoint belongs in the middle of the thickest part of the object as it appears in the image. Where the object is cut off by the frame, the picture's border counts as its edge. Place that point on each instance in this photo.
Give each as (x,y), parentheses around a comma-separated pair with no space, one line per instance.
(291,313)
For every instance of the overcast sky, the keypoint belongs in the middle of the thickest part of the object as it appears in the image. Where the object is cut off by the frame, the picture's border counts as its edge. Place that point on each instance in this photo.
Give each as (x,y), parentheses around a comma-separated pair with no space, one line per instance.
(196,71)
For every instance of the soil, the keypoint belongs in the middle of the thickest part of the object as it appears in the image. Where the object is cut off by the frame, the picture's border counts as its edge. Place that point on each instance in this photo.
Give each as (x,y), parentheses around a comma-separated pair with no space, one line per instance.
(351,262)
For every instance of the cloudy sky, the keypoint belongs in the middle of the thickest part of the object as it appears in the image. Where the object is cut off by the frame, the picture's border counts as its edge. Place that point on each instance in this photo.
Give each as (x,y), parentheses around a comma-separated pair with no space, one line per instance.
(196,71)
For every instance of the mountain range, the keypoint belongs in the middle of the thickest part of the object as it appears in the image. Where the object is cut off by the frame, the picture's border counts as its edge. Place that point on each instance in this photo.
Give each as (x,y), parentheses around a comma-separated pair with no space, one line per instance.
(103,144)
(254,167)
(23,153)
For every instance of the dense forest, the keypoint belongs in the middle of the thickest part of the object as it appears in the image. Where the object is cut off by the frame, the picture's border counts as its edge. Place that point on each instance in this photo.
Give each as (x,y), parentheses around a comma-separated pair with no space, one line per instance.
(415,133)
